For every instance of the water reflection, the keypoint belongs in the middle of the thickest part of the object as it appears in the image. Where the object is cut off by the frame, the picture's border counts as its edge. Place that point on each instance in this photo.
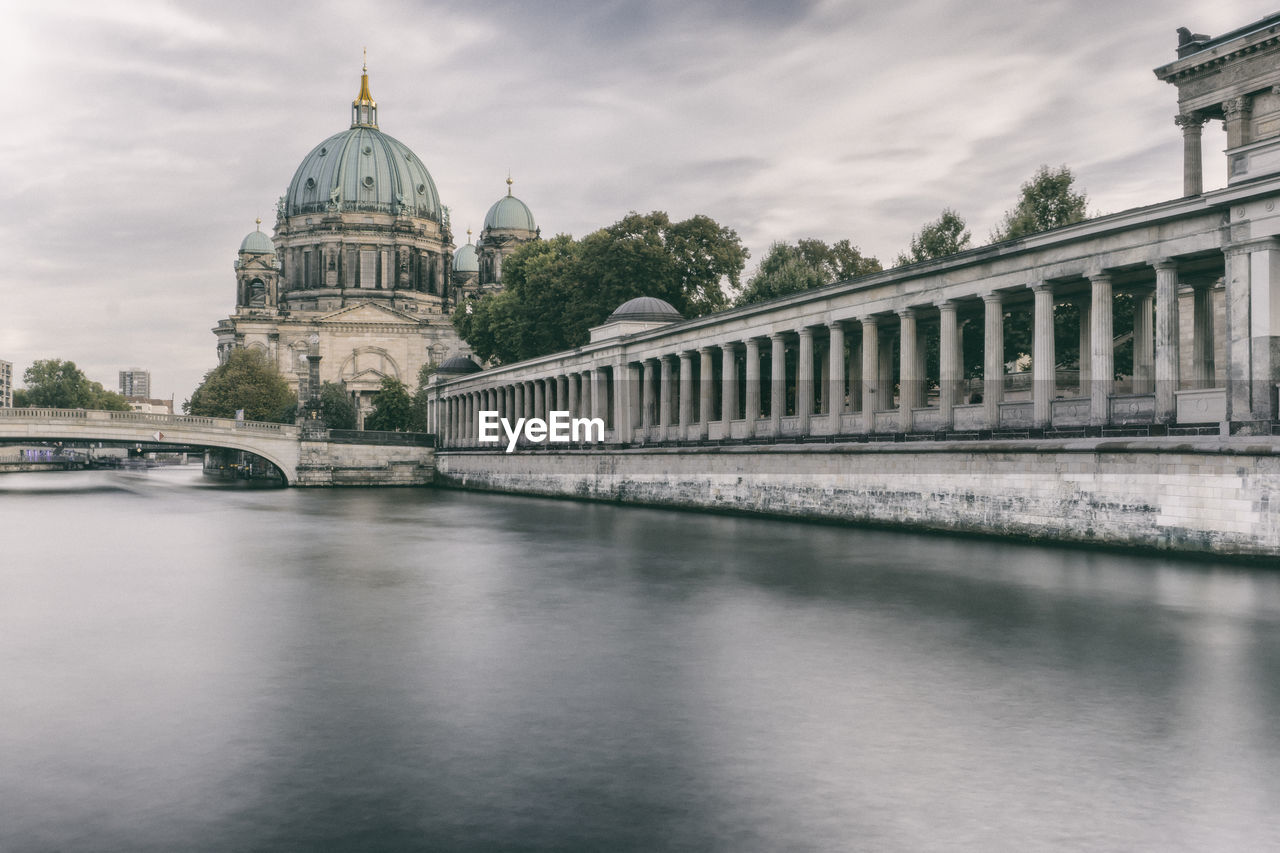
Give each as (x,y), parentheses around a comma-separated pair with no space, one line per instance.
(205,668)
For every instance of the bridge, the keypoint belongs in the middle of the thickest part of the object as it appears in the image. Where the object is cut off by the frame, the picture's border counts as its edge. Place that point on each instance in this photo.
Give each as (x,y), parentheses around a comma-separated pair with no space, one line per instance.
(277,443)
(304,457)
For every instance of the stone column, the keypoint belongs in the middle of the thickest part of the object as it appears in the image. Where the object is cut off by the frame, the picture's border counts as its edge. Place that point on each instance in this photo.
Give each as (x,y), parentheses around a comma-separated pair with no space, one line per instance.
(599,395)
(530,399)
(908,379)
(572,397)
(1143,340)
(626,402)
(870,372)
(836,374)
(1202,335)
(664,398)
(1103,362)
(1043,357)
(992,358)
(706,392)
(584,394)
(804,379)
(728,387)
(1084,307)
(539,399)
(1167,333)
(1192,166)
(752,391)
(778,383)
(884,394)
(562,393)
(647,396)
(686,396)
(950,359)
(1236,112)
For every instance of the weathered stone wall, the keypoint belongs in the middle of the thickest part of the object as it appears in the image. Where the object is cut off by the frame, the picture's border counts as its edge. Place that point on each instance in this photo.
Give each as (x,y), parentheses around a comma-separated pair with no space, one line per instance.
(332,463)
(1218,496)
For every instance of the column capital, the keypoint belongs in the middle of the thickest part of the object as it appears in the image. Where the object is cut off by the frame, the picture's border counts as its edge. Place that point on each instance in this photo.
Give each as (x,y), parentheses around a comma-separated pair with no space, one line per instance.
(1100,276)
(1237,107)
(995,297)
(1041,287)
(906,313)
(947,305)
(1163,264)
(777,336)
(1191,121)
(707,350)
(836,324)
(870,321)
(805,331)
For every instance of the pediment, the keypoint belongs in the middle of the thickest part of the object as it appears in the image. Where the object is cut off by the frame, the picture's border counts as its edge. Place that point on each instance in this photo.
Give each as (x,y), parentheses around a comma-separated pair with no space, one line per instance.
(367,313)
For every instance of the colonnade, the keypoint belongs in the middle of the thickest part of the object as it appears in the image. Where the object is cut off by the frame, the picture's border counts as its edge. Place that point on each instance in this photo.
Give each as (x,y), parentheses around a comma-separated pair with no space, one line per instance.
(867,374)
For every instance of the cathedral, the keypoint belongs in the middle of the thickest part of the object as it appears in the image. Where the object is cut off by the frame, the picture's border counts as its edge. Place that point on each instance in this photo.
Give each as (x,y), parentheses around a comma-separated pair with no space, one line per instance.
(362,270)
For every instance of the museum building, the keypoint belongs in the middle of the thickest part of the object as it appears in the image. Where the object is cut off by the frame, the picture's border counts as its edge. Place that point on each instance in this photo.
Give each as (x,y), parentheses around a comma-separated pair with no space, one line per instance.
(361,269)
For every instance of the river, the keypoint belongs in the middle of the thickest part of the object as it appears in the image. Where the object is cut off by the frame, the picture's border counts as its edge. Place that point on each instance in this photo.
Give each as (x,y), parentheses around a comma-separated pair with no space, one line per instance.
(186,665)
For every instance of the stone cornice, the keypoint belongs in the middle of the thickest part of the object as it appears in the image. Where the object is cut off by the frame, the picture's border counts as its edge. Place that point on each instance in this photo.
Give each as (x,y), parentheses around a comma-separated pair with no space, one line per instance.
(1218,52)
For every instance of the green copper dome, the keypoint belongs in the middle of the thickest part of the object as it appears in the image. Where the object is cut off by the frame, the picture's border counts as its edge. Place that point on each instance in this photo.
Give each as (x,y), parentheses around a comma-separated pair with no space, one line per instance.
(510,213)
(363,169)
(257,243)
(465,259)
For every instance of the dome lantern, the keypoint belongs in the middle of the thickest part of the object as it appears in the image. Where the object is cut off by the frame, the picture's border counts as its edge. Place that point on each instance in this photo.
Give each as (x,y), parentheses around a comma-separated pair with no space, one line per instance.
(364,109)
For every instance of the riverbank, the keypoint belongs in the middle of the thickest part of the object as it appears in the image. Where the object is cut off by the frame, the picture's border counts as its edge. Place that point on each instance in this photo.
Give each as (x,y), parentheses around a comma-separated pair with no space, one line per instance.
(1215,496)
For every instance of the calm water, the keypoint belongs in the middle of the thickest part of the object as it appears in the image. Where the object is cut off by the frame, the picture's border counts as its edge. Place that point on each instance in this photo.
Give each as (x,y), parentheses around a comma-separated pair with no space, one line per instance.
(186,666)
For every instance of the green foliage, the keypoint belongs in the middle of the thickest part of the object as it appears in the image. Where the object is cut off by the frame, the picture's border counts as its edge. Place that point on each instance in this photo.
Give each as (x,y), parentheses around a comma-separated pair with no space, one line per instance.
(808,264)
(336,407)
(1048,201)
(944,236)
(246,381)
(57,384)
(21,399)
(555,290)
(392,407)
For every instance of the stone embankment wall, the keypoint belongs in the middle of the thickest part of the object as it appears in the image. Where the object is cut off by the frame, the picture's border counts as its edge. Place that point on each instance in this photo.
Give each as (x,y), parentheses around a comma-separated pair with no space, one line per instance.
(1212,496)
(334,463)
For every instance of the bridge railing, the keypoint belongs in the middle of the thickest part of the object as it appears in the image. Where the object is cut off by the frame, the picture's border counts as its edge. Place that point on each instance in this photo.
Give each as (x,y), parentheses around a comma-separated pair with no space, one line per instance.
(159,420)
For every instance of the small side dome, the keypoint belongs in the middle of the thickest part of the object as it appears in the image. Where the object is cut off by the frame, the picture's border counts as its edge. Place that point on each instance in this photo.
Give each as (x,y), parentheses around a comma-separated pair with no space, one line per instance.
(257,243)
(647,309)
(466,259)
(459,364)
(509,214)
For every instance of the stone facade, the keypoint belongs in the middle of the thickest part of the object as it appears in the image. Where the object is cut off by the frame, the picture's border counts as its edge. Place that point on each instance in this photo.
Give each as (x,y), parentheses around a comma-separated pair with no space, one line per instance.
(360,269)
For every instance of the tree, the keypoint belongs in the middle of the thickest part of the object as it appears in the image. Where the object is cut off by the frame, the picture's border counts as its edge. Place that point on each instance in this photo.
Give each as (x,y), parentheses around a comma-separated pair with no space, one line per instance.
(945,236)
(392,407)
(1048,201)
(809,263)
(245,381)
(555,290)
(57,384)
(336,407)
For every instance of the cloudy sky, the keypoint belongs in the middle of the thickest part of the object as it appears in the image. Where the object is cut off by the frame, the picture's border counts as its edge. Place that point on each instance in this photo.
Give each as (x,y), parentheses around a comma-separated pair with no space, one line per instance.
(143,138)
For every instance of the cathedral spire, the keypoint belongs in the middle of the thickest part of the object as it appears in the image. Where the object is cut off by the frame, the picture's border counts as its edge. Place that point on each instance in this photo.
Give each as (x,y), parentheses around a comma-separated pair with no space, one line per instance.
(508,183)
(364,109)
